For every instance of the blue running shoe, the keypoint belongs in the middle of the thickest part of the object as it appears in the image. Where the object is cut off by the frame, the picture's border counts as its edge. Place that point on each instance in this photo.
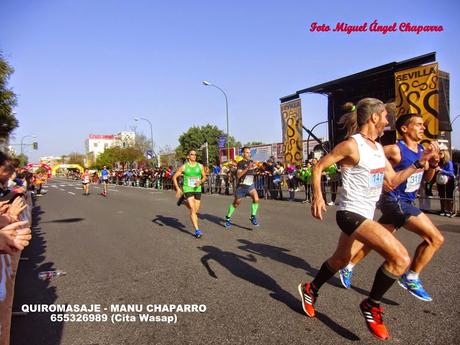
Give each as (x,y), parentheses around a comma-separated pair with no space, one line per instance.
(198,233)
(253,220)
(345,277)
(415,287)
(228,223)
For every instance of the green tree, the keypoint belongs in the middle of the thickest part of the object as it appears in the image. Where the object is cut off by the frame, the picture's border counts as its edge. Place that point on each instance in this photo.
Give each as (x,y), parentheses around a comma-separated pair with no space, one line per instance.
(8,101)
(195,137)
(23,160)
(76,158)
(116,154)
(142,143)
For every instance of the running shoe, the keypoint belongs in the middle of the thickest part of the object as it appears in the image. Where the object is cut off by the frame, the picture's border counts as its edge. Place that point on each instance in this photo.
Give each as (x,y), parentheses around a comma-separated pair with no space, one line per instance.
(198,233)
(453,215)
(345,277)
(330,203)
(228,222)
(442,214)
(374,320)
(414,286)
(308,299)
(253,220)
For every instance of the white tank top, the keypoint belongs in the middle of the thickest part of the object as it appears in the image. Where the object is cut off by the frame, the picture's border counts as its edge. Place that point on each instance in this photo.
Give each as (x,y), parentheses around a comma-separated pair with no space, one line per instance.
(362,184)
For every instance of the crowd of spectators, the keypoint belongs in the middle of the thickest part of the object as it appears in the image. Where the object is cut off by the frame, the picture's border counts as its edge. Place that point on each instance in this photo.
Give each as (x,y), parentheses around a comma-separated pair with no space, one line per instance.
(273,179)
(14,183)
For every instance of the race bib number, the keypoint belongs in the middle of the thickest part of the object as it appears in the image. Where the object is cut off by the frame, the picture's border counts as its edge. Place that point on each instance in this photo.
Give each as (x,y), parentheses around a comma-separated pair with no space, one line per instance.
(248,180)
(192,181)
(376,181)
(414,181)
(86,180)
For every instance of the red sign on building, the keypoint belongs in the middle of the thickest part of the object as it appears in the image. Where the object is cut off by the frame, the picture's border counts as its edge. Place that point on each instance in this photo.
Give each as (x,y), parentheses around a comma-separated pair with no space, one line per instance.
(102,136)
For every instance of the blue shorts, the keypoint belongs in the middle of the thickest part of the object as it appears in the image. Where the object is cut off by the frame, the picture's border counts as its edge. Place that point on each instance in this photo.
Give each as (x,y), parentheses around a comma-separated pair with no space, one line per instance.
(244,190)
(396,212)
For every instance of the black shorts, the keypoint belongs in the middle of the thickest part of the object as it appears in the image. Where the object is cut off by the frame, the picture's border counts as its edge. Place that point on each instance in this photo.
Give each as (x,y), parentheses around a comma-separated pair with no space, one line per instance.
(396,212)
(348,221)
(196,195)
(105,181)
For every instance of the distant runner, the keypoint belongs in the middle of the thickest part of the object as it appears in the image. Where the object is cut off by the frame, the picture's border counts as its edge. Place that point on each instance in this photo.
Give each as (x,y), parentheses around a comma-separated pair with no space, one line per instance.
(104,180)
(85,181)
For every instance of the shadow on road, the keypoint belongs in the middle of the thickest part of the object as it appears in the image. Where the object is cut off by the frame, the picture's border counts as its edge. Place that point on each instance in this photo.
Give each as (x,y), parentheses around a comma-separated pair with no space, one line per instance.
(237,266)
(66,220)
(172,223)
(280,254)
(219,221)
(29,289)
(343,332)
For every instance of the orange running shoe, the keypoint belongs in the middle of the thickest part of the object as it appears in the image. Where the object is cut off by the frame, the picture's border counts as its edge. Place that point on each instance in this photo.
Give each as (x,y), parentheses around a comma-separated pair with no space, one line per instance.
(308,299)
(374,320)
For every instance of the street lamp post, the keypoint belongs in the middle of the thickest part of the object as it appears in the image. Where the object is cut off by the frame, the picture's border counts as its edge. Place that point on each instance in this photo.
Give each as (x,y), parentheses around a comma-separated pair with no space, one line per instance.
(151,137)
(22,141)
(207,83)
(455,118)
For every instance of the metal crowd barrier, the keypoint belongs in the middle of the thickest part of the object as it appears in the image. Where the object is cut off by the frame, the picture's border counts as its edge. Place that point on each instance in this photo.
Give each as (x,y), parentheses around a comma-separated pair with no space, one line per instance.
(432,203)
(278,187)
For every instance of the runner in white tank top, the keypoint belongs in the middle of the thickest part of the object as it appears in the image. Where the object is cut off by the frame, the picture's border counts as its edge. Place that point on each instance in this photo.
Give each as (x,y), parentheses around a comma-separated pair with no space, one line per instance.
(361,162)
(362,184)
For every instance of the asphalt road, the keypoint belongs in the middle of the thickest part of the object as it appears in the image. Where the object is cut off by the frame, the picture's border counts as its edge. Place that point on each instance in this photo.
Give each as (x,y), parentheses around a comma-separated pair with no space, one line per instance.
(137,247)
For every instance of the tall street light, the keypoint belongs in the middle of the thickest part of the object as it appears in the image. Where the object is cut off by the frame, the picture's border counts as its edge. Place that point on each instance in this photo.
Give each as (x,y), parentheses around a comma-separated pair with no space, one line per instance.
(151,137)
(207,83)
(455,118)
(22,141)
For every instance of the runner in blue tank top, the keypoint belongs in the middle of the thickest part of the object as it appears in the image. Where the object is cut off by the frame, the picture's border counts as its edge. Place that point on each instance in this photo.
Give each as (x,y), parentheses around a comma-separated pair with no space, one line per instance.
(398,209)
(364,169)
(104,180)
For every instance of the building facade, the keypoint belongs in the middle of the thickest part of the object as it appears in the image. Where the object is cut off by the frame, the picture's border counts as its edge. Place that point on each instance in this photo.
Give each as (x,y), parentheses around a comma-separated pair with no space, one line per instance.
(96,144)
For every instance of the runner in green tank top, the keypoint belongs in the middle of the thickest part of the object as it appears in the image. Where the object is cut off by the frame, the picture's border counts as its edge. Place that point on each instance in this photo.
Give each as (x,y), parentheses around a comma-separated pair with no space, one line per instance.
(194,177)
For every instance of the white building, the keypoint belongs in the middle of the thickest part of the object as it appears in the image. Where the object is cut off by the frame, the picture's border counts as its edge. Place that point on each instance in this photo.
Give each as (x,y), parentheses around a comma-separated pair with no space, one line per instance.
(51,160)
(95,144)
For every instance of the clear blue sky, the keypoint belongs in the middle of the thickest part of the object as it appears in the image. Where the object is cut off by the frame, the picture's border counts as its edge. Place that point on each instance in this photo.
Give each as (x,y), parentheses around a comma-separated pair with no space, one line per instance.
(87,66)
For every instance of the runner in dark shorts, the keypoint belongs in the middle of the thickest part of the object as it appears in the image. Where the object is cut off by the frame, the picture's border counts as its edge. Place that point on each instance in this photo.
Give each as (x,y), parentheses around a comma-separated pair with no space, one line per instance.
(245,187)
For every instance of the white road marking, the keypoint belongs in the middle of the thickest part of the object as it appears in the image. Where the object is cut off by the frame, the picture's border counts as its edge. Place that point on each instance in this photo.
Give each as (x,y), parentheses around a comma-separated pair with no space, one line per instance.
(71,193)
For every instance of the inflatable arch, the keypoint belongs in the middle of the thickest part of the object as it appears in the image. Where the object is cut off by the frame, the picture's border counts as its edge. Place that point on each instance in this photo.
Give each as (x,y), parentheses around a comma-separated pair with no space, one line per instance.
(42,165)
(67,166)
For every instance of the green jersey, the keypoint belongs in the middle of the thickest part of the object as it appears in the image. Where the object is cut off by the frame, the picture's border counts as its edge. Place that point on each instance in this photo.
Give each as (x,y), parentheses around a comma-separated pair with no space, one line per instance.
(305,175)
(192,175)
(331,170)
